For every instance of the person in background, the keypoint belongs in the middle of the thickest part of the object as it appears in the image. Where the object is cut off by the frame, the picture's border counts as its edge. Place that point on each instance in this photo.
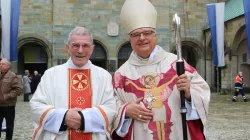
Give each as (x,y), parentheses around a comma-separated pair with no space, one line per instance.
(35,81)
(26,86)
(10,88)
(239,84)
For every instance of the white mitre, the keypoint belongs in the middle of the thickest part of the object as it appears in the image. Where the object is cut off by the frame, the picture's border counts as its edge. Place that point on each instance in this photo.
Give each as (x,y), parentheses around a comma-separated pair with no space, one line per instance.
(137,14)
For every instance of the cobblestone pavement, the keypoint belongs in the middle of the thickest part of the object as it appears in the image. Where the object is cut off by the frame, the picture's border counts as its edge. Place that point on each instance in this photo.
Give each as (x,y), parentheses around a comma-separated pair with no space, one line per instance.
(226,120)
(24,128)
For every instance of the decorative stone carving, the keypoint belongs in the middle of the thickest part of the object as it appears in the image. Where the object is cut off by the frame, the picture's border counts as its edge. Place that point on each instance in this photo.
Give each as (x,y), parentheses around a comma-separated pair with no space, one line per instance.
(112,28)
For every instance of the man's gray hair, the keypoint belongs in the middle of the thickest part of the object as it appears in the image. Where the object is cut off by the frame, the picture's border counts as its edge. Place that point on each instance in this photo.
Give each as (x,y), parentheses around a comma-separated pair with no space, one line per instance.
(79,31)
(6,61)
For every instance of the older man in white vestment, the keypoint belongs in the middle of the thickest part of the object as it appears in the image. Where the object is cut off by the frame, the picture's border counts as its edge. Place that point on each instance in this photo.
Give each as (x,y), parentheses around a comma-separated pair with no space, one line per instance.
(74,101)
(147,85)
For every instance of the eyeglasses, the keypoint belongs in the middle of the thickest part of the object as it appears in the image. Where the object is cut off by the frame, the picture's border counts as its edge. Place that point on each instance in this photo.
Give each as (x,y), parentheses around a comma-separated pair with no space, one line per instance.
(3,64)
(76,46)
(145,34)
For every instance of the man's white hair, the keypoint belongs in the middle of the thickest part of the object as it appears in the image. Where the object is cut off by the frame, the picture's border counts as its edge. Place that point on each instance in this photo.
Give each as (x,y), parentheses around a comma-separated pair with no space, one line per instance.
(79,31)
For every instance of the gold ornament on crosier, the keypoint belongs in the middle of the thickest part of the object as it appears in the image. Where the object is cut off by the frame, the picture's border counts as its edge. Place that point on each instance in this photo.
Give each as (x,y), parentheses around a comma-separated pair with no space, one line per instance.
(79,82)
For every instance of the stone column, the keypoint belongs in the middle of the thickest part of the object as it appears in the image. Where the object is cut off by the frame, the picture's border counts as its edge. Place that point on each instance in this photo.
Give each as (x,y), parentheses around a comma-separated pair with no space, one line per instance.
(112,65)
(209,72)
(200,67)
(234,69)
(14,67)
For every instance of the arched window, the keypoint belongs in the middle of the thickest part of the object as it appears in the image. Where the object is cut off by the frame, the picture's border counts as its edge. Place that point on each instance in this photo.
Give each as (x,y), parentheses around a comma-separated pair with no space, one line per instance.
(99,56)
(124,53)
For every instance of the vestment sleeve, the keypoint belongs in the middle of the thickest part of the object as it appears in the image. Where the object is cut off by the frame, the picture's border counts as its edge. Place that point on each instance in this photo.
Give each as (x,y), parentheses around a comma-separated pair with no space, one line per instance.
(200,93)
(41,102)
(106,110)
(121,125)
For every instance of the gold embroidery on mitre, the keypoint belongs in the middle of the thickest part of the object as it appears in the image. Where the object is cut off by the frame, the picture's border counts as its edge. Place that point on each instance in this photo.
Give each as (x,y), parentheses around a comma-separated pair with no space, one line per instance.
(79,82)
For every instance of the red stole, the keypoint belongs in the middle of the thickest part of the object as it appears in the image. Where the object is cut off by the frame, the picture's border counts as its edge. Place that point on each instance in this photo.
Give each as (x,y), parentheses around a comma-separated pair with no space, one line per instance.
(80,96)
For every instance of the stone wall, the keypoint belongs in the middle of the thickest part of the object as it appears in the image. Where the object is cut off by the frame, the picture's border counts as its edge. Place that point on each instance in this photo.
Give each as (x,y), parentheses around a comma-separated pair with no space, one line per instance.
(53,19)
(234,37)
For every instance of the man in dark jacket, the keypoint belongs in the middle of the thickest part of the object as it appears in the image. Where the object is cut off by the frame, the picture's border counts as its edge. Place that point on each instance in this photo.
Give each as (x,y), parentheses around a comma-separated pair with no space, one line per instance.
(10,88)
(35,81)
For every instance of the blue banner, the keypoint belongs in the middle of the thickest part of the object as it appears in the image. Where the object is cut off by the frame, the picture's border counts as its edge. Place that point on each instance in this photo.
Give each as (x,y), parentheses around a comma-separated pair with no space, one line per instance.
(212,23)
(14,20)
(246,5)
(216,23)
(10,20)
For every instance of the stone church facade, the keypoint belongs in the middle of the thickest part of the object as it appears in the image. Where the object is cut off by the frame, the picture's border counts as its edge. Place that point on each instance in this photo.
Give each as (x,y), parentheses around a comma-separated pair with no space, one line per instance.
(44,26)
(235,50)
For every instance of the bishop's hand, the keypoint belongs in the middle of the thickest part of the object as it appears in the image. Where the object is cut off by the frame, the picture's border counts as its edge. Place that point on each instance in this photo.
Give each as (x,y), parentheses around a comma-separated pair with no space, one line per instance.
(183,84)
(136,111)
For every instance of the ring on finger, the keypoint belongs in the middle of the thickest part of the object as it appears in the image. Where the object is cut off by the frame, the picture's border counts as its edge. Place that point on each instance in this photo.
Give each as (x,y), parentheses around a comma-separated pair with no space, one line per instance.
(140,116)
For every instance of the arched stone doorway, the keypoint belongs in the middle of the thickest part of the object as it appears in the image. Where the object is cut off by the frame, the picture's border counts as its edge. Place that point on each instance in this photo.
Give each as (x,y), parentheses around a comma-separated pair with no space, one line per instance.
(240,58)
(33,54)
(190,52)
(124,53)
(244,62)
(99,55)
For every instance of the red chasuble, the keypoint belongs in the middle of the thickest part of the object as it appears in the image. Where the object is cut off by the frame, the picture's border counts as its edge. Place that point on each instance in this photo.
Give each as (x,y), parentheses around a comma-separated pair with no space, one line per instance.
(80,96)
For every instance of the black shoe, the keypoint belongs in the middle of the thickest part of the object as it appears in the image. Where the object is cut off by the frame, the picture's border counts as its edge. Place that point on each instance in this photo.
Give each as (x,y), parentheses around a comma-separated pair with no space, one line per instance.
(245,100)
(233,100)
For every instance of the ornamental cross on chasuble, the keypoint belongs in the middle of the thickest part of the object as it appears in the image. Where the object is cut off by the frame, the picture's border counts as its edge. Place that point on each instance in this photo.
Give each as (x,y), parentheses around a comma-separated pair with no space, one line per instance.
(80,96)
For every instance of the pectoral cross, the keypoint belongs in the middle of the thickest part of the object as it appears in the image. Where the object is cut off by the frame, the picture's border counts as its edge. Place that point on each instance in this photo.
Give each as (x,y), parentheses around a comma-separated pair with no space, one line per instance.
(149,99)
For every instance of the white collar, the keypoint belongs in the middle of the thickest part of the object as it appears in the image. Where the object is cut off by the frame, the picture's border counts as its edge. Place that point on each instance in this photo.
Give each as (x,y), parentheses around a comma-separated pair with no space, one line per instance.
(151,56)
(72,65)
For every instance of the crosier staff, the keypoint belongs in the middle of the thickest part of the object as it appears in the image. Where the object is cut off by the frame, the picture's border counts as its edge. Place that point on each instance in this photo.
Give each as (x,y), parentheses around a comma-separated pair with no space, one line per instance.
(180,70)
